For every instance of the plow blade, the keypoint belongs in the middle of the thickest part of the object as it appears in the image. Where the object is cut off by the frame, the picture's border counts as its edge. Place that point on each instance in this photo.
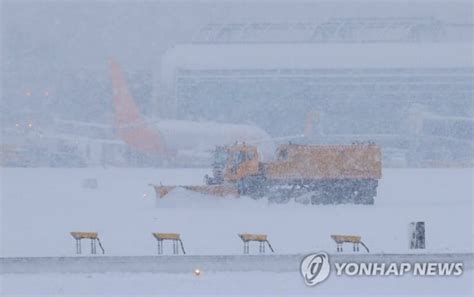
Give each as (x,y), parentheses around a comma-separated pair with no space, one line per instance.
(215,190)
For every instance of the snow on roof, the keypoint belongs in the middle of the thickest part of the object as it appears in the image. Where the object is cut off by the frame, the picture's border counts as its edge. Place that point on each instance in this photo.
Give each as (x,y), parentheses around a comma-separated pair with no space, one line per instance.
(311,56)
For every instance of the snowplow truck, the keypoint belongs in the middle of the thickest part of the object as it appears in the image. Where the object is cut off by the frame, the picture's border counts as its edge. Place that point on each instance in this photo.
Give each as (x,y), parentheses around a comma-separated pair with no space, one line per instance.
(316,174)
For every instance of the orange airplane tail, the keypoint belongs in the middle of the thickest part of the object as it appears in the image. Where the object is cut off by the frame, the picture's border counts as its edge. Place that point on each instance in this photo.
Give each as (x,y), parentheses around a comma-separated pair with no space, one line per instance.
(130,126)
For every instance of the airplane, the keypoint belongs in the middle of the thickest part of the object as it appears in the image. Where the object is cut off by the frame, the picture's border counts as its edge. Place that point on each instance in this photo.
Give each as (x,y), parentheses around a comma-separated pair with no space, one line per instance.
(171,138)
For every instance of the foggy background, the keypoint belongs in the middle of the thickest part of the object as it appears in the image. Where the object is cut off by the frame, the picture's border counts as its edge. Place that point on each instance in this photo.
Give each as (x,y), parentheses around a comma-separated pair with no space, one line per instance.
(54,66)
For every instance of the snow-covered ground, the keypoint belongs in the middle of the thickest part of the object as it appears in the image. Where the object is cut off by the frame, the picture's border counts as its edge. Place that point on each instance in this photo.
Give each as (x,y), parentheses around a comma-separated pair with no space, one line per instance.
(41,206)
(238,284)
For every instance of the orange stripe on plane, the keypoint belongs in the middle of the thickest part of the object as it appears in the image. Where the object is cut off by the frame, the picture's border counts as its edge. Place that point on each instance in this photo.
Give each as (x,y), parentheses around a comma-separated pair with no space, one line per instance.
(131,128)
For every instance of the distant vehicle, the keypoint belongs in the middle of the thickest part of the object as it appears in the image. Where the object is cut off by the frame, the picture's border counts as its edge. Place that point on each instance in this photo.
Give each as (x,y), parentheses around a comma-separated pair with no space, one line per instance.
(317,174)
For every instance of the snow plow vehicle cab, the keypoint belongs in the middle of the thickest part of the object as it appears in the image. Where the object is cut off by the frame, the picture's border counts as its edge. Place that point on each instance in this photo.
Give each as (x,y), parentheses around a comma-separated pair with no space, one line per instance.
(233,163)
(317,174)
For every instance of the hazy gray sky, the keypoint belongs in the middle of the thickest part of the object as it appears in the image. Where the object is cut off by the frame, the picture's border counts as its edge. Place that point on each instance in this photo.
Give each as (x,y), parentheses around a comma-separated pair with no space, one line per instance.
(50,35)
(44,41)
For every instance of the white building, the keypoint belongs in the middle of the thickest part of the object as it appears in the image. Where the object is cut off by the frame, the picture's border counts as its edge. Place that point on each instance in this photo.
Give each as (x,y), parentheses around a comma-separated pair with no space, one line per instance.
(362,75)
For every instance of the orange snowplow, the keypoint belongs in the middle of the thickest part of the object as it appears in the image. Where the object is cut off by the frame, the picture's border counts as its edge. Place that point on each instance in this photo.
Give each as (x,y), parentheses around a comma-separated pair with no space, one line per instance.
(318,174)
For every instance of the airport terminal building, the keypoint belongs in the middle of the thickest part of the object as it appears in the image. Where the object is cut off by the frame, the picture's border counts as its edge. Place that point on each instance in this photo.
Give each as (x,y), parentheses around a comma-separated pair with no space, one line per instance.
(406,83)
